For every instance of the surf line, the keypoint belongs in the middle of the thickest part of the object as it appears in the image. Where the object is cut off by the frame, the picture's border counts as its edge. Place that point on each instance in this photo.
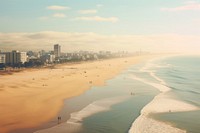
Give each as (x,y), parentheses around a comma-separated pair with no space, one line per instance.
(74,123)
(160,104)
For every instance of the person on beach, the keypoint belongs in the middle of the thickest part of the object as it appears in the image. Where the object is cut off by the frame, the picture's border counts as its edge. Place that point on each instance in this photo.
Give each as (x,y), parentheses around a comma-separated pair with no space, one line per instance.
(59,119)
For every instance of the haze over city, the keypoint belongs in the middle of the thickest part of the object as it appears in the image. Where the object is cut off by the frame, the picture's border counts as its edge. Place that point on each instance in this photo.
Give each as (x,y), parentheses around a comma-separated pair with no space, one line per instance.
(154,26)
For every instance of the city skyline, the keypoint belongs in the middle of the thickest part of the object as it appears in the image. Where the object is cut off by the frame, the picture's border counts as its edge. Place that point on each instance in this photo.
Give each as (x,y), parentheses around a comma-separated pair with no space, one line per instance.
(159,26)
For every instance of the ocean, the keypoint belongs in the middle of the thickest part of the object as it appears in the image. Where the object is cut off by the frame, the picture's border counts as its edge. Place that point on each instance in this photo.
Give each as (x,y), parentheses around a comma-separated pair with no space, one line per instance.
(128,102)
(183,77)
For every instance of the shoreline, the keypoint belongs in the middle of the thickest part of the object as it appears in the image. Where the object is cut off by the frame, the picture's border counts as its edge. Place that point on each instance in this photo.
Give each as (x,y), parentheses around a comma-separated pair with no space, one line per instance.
(37,95)
(162,103)
(74,123)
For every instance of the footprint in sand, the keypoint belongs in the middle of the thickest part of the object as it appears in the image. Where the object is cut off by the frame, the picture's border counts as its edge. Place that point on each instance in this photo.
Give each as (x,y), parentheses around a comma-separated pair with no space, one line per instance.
(13,86)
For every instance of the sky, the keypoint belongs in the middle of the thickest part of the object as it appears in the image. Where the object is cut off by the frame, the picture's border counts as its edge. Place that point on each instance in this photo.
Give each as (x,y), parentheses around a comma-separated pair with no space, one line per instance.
(116,25)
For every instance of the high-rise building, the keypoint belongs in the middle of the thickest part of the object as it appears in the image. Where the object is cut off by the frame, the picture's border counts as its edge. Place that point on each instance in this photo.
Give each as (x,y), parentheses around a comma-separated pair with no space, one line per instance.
(15,57)
(57,50)
(2,58)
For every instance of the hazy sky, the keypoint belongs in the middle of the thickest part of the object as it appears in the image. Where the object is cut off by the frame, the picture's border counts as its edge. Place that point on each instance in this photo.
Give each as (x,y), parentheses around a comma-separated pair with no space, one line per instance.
(153,25)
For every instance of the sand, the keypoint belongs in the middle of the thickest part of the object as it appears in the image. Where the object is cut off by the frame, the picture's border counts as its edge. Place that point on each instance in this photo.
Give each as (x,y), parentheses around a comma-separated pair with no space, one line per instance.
(145,124)
(32,97)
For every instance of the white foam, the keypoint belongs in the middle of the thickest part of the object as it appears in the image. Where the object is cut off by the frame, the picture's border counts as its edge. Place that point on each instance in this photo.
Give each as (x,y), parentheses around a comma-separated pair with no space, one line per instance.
(95,107)
(144,124)
(152,65)
(74,124)
(160,104)
(147,67)
(157,78)
(158,86)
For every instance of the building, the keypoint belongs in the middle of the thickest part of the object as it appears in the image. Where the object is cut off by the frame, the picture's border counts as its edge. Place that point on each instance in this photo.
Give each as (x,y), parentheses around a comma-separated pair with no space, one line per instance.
(48,58)
(22,57)
(15,57)
(2,58)
(57,50)
(8,57)
(41,53)
(51,58)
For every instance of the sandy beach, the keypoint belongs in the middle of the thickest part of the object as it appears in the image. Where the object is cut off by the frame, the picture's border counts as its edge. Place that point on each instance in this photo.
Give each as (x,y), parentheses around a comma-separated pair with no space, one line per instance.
(32,97)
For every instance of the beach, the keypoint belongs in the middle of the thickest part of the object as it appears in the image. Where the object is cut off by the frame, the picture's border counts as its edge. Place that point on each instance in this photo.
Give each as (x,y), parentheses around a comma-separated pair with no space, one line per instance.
(33,97)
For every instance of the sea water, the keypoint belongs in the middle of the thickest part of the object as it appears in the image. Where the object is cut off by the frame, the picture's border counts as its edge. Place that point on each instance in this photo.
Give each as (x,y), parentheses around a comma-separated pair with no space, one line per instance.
(183,77)
(114,107)
(179,73)
(111,108)
(129,97)
(121,114)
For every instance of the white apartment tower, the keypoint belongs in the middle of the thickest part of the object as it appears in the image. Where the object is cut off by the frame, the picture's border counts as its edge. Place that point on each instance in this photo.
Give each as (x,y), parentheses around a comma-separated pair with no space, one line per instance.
(15,57)
(57,50)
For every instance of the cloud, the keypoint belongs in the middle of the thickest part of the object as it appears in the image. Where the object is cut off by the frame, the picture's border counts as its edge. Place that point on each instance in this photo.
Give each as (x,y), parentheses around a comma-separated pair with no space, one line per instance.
(98,19)
(96,42)
(188,6)
(56,7)
(59,15)
(91,11)
(190,2)
(99,5)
